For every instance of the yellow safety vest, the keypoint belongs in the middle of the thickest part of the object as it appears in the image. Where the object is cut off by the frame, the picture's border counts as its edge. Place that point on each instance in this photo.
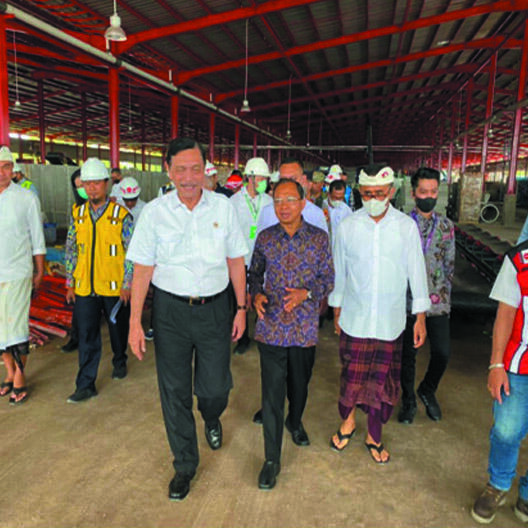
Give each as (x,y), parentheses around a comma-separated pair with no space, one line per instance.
(100,251)
(27,184)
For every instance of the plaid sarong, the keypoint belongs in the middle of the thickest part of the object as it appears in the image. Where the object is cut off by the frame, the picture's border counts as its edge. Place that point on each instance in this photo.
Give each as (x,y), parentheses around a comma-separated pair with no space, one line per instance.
(370,374)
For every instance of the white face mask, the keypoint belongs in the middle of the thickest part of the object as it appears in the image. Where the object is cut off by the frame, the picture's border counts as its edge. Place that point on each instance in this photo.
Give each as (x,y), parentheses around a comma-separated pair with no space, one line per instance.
(375,207)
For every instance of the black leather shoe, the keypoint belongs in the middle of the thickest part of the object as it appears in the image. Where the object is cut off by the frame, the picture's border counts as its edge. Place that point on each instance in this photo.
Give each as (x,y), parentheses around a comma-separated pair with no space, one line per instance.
(119,373)
(432,408)
(257,417)
(70,346)
(214,435)
(299,435)
(179,486)
(268,475)
(407,413)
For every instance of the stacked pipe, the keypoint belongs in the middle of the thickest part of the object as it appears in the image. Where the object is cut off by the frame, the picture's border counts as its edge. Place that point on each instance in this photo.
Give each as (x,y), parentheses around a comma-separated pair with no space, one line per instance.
(49,315)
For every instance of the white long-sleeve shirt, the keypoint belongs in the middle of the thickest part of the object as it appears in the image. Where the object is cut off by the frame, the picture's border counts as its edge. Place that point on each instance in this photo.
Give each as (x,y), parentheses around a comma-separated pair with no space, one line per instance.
(22,233)
(374,262)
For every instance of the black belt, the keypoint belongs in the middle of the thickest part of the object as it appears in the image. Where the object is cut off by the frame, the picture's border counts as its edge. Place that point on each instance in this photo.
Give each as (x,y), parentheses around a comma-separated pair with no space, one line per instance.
(193,301)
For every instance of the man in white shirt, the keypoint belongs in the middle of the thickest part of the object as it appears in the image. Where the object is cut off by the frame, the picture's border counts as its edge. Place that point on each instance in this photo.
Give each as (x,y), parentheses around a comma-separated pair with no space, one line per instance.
(293,169)
(190,245)
(336,206)
(22,251)
(248,204)
(116,177)
(377,252)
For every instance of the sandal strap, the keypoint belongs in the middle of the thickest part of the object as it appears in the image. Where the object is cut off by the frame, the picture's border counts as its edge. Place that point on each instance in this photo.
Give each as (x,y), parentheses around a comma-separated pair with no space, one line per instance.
(19,390)
(342,436)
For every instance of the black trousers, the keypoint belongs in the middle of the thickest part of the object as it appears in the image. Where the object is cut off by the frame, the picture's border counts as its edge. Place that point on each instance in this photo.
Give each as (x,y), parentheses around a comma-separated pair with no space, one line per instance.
(88,311)
(182,331)
(283,369)
(438,335)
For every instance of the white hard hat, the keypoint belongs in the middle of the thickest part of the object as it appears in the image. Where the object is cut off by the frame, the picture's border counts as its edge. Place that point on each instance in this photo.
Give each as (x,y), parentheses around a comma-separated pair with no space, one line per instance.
(335,169)
(257,167)
(129,188)
(5,154)
(332,176)
(17,168)
(94,169)
(275,177)
(210,169)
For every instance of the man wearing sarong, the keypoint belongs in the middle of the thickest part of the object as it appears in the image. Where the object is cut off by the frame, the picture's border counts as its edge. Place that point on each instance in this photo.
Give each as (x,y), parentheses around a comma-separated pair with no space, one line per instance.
(377,252)
(22,251)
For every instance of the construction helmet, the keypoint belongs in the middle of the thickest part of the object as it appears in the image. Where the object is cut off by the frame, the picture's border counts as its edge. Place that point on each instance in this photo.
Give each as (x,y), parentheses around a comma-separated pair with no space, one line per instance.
(210,169)
(129,188)
(257,167)
(94,169)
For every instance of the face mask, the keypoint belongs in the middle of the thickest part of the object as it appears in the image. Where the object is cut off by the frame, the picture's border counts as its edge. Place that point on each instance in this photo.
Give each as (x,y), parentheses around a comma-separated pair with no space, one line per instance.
(375,207)
(81,191)
(261,186)
(426,205)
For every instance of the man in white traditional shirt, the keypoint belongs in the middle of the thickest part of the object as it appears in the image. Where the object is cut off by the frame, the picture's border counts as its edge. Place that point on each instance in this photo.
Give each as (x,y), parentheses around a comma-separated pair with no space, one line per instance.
(190,244)
(376,254)
(248,204)
(22,251)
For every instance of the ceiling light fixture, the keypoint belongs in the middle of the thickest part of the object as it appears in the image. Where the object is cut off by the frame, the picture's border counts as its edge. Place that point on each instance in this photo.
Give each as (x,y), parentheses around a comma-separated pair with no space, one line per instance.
(245,102)
(17,98)
(288,131)
(114,31)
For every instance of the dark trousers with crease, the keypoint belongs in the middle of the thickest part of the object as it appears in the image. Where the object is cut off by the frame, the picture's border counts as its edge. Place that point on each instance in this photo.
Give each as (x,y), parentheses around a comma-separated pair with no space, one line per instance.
(438,335)
(182,333)
(283,369)
(89,310)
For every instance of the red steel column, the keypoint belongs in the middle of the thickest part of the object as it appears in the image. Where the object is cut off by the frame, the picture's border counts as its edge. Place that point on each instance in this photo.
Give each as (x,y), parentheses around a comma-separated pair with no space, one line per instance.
(113,101)
(84,129)
(212,120)
(466,125)
(442,117)
(489,112)
(237,145)
(4,83)
(521,91)
(175,110)
(143,137)
(42,123)
(451,143)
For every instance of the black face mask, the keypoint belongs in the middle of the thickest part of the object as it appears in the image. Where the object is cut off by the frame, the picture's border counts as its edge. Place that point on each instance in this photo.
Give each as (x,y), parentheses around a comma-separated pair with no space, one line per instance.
(426,205)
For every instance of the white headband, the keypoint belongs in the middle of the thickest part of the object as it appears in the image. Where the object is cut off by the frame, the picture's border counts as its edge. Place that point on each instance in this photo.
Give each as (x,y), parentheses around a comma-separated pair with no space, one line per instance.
(384,177)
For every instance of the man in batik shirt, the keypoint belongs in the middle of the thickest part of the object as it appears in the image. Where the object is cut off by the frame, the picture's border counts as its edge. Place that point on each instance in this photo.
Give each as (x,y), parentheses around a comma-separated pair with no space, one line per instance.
(291,271)
(437,234)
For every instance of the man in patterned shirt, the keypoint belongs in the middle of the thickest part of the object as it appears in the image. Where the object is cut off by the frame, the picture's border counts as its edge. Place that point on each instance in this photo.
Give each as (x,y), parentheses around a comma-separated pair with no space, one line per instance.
(438,243)
(291,271)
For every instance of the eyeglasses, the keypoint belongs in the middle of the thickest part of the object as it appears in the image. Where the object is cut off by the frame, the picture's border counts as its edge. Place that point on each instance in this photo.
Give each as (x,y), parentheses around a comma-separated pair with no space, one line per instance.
(379,195)
(288,200)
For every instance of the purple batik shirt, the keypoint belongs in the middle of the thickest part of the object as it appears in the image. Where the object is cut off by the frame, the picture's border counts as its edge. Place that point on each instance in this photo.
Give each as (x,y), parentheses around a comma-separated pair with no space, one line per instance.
(279,262)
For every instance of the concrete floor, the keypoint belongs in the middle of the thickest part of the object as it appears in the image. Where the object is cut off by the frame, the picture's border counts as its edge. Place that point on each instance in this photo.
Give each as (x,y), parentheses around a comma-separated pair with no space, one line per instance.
(106,462)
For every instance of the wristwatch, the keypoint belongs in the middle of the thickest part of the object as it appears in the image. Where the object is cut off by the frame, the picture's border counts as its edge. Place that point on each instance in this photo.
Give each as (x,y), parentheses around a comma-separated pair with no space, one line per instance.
(241,307)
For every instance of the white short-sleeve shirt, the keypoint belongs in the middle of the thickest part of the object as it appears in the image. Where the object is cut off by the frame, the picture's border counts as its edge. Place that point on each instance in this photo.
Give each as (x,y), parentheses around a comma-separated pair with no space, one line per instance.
(188,249)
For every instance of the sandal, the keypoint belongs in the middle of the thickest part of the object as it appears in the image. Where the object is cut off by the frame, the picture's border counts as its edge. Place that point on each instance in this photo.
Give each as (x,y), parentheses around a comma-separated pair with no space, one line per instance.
(341,436)
(378,449)
(6,385)
(16,392)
